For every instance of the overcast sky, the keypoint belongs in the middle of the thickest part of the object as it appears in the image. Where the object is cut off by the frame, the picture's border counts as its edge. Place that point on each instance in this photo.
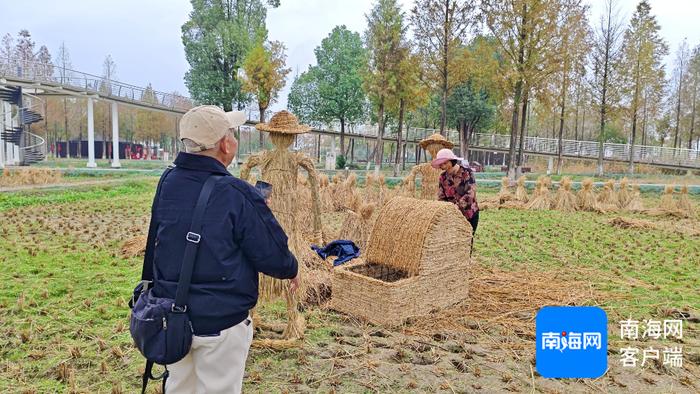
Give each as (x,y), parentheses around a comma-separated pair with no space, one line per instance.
(143,36)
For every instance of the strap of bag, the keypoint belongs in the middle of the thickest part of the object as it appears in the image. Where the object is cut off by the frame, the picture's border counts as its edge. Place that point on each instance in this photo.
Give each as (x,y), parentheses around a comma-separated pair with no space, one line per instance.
(147,270)
(148,375)
(193,238)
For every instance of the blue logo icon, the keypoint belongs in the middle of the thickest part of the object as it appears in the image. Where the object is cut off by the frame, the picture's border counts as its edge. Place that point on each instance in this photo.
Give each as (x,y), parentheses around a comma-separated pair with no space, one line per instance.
(572,342)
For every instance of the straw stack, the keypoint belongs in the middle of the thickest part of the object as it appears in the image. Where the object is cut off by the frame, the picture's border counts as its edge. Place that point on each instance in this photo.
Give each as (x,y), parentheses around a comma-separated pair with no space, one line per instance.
(520,191)
(358,225)
(635,203)
(607,198)
(623,195)
(504,194)
(684,204)
(586,198)
(565,200)
(541,199)
(134,247)
(668,204)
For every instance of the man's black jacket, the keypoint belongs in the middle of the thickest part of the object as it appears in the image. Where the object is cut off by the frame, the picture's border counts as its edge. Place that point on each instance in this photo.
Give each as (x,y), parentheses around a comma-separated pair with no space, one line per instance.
(240,237)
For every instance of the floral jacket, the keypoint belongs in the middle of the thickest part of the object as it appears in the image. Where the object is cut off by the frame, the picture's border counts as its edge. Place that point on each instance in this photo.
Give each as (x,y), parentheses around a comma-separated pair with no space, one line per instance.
(459,189)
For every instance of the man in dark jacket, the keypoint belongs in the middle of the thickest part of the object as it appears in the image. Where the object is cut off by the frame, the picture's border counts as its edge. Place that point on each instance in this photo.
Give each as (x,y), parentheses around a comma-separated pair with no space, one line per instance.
(240,238)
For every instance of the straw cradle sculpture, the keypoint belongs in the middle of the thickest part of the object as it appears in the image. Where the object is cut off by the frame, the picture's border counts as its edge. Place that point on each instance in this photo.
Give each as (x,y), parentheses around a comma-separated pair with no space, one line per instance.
(429,176)
(414,263)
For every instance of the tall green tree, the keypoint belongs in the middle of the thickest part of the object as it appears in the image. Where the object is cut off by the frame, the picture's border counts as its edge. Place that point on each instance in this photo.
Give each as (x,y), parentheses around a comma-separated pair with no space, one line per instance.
(693,94)
(265,74)
(440,29)
(217,38)
(303,99)
(386,50)
(644,49)
(339,61)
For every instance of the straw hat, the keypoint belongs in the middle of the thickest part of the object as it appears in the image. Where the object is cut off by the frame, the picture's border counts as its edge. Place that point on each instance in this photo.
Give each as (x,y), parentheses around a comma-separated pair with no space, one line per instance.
(436,139)
(283,122)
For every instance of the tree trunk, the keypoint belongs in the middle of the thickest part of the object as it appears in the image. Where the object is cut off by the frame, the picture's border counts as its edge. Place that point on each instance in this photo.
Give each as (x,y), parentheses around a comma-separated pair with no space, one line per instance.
(676,140)
(262,120)
(519,163)
(514,124)
(560,143)
(692,115)
(378,149)
(342,136)
(65,126)
(445,62)
(635,107)
(402,106)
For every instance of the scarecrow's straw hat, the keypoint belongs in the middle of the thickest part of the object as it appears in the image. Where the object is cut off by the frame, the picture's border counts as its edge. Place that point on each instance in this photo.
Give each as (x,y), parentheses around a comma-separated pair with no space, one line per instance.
(283,122)
(436,139)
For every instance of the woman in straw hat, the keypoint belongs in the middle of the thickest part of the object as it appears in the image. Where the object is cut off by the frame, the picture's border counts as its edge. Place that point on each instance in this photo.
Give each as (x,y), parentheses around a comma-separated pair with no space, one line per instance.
(279,167)
(457,185)
(429,175)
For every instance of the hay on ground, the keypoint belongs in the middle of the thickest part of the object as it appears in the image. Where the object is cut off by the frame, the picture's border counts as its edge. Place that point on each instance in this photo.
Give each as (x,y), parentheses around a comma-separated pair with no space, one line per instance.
(541,198)
(626,223)
(134,247)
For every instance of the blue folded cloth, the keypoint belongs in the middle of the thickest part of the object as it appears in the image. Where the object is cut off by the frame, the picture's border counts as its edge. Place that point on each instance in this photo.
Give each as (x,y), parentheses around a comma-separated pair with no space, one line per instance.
(345,250)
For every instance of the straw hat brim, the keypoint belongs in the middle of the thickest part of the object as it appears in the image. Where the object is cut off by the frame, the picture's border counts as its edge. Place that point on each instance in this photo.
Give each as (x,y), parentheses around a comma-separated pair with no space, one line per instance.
(297,129)
(446,144)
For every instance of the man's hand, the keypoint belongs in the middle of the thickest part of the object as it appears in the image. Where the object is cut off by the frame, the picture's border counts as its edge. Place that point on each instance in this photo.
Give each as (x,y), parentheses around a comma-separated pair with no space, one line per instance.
(294,284)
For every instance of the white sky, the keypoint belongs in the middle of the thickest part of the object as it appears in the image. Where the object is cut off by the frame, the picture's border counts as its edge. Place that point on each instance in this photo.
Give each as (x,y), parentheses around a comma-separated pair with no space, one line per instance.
(144,36)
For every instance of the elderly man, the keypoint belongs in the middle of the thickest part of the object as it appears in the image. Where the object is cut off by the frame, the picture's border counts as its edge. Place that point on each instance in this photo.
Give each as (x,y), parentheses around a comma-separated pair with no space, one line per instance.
(239,238)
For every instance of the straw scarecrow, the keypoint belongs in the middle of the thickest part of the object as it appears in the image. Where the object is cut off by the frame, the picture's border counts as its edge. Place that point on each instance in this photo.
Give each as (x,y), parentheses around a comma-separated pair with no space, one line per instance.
(429,175)
(280,167)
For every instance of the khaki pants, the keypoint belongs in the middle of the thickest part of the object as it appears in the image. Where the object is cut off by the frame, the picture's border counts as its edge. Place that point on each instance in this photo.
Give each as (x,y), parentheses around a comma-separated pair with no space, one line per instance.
(215,364)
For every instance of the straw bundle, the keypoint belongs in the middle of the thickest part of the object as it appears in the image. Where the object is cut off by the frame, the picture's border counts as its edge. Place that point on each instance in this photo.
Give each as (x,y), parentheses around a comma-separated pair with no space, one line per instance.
(134,247)
(408,185)
(565,200)
(684,204)
(337,178)
(635,202)
(541,198)
(668,204)
(623,195)
(607,196)
(585,198)
(323,180)
(627,223)
(357,225)
(520,191)
(504,194)
(412,264)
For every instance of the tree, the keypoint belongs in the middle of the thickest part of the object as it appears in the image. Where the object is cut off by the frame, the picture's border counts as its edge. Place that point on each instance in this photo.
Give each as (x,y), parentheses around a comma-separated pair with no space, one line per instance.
(643,50)
(440,27)
(6,53)
(24,53)
(384,39)
(216,38)
(150,124)
(44,65)
(694,93)
(303,99)
(63,65)
(605,84)
(527,32)
(572,47)
(265,74)
(681,64)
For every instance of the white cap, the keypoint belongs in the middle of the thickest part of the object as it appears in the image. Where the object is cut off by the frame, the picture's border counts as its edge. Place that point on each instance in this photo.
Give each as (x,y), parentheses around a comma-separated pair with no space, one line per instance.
(207,124)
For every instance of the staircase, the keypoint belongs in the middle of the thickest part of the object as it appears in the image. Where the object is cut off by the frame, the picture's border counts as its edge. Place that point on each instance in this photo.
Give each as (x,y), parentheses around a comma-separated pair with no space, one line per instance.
(31,146)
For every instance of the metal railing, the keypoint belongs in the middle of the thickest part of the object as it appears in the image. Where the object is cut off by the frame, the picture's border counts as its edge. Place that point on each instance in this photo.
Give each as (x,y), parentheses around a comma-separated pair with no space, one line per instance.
(77,80)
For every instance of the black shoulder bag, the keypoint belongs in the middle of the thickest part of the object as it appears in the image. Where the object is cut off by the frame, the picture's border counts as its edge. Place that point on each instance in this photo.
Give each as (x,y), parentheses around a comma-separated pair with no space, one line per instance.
(160,327)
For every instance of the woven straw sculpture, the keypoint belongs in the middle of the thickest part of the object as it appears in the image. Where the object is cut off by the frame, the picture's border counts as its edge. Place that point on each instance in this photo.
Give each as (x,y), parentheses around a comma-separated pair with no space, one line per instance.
(280,167)
(414,264)
(429,176)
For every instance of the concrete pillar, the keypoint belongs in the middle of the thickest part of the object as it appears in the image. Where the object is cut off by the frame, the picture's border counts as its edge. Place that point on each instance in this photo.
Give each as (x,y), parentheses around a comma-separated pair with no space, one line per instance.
(2,142)
(91,135)
(115,136)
